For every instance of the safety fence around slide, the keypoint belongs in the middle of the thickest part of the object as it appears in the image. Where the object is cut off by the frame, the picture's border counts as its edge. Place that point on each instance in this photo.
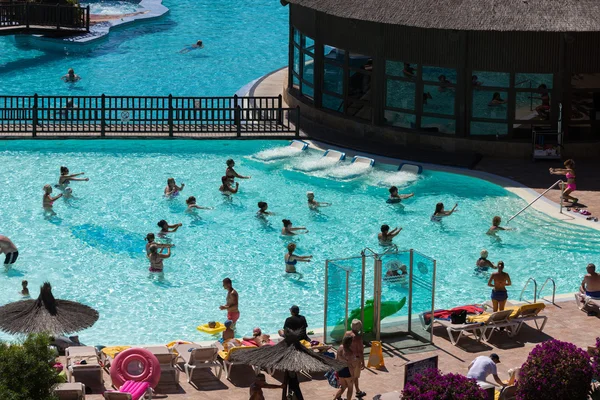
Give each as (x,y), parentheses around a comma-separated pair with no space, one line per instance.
(147,116)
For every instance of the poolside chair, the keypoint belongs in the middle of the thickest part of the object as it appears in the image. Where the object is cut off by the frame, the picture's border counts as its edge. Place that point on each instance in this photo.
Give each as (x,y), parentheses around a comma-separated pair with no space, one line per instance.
(527,313)
(169,374)
(479,326)
(197,356)
(587,304)
(83,365)
(70,391)
(508,393)
(299,144)
(363,160)
(500,319)
(130,390)
(226,355)
(410,168)
(334,155)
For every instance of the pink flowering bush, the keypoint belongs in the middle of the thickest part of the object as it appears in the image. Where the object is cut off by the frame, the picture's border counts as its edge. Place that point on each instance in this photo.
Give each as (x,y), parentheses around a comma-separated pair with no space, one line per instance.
(555,370)
(596,363)
(433,385)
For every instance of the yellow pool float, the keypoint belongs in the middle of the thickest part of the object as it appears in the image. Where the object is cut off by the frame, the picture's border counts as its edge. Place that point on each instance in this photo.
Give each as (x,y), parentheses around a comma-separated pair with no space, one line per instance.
(218,328)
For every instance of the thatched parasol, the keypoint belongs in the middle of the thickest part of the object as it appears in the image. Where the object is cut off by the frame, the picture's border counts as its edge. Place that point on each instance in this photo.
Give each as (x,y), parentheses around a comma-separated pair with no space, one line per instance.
(289,355)
(46,314)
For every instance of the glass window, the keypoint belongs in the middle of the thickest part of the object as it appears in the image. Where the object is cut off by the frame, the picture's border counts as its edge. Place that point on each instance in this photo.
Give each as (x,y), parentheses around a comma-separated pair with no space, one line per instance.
(439,74)
(333,103)
(359,85)
(400,94)
(441,125)
(297,36)
(360,61)
(397,68)
(309,44)
(488,104)
(399,119)
(308,75)
(308,91)
(488,128)
(532,106)
(585,106)
(296,82)
(585,81)
(296,66)
(359,109)
(495,79)
(333,79)
(334,54)
(533,81)
(438,100)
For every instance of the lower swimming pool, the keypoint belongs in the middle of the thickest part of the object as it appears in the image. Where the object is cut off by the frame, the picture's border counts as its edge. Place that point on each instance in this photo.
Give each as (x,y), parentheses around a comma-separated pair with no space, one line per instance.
(92,251)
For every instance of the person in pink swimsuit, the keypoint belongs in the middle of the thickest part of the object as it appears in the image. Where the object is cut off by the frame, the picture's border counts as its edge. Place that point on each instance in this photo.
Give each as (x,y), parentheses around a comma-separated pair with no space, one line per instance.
(569,172)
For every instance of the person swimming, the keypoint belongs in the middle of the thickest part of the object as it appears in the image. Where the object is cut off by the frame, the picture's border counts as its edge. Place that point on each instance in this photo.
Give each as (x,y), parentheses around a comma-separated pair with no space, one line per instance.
(496,100)
(291,259)
(496,226)
(65,177)
(71,77)
(156,258)
(315,204)
(231,173)
(48,200)
(441,213)
(483,263)
(385,236)
(397,198)
(172,189)
(192,206)
(226,187)
(262,209)
(150,238)
(288,230)
(166,228)
(198,45)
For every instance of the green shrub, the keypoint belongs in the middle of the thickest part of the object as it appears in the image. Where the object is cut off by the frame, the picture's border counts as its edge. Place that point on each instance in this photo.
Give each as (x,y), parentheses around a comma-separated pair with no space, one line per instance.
(26,371)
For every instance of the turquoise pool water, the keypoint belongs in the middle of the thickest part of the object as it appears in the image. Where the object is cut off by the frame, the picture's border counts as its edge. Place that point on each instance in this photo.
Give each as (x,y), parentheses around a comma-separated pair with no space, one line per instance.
(243,40)
(93,250)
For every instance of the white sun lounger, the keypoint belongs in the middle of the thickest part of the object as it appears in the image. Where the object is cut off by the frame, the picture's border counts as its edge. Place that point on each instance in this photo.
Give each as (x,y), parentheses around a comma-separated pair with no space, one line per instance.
(70,391)
(479,329)
(363,160)
(587,303)
(410,168)
(299,144)
(197,356)
(89,373)
(334,154)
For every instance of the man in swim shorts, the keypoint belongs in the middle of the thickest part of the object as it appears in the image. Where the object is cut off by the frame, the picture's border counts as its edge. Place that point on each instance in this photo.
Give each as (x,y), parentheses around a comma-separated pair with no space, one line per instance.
(233,313)
(499,281)
(590,287)
(8,247)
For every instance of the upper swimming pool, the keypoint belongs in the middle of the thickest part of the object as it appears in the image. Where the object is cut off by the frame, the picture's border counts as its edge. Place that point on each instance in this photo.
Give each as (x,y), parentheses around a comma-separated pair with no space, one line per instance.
(243,40)
(93,250)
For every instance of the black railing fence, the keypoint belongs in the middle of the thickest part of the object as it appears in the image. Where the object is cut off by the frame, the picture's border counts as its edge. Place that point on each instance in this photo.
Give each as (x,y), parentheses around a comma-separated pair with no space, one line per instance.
(58,17)
(146,116)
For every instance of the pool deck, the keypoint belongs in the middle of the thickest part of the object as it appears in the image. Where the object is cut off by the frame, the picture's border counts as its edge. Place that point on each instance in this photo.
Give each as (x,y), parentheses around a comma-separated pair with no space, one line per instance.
(565,322)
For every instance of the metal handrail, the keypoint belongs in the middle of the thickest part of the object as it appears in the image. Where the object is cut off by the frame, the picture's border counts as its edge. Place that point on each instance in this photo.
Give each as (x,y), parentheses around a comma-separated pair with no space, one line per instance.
(536,199)
(553,288)
(534,289)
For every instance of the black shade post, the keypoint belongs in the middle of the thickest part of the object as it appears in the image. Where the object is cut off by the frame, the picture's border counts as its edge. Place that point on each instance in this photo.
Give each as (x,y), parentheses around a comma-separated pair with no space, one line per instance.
(35,115)
(102,115)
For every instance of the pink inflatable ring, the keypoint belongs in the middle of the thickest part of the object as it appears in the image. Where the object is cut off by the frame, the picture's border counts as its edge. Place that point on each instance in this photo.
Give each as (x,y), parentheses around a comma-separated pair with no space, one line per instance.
(150,367)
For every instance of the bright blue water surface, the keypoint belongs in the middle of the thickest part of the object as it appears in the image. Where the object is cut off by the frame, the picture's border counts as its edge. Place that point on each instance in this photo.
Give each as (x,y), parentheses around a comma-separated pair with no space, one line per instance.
(93,250)
(243,40)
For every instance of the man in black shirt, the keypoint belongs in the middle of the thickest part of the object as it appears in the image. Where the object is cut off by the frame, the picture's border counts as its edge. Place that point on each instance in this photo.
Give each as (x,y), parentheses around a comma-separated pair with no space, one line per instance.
(296,322)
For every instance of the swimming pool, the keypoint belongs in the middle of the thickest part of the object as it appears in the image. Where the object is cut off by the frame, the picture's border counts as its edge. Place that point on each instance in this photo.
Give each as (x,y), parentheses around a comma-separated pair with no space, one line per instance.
(243,40)
(93,251)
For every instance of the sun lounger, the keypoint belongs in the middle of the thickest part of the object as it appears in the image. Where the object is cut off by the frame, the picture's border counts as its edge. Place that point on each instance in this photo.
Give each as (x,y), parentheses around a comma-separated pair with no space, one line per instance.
(108,354)
(197,356)
(299,144)
(334,154)
(587,304)
(169,374)
(363,160)
(130,391)
(528,313)
(70,391)
(83,365)
(410,168)
(225,356)
(500,319)
(508,393)
(480,326)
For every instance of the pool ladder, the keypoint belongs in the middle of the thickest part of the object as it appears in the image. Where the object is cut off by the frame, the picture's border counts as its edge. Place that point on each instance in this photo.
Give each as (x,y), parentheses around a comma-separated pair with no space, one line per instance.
(536,199)
(535,291)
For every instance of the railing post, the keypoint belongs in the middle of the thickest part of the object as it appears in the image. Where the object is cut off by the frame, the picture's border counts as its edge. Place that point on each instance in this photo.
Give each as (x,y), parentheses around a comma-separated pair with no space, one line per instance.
(103,115)
(170,115)
(27,14)
(279,110)
(87,18)
(35,116)
(297,121)
(58,16)
(237,115)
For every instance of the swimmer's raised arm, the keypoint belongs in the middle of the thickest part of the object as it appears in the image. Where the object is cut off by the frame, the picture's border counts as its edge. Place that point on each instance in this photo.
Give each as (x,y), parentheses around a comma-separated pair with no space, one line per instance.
(406,196)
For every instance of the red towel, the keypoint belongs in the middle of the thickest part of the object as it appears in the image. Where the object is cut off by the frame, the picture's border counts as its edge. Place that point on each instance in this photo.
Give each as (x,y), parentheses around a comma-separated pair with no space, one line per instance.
(445,314)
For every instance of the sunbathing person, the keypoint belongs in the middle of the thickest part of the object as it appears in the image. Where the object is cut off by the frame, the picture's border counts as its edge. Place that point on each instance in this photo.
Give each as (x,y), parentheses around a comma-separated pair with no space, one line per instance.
(289,230)
(228,333)
(172,189)
(483,263)
(590,285)
(312,204)
(385,236)
(226,187)
(258,338)
(395,197)
(441,213)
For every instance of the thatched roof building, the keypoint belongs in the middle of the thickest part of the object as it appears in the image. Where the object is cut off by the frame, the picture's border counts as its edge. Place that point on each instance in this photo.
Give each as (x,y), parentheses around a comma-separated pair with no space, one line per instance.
(461,75)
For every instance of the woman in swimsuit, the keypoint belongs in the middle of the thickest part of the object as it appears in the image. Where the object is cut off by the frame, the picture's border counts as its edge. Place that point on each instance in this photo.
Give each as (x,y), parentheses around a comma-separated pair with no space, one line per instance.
(230,172)
(192,206)
(288,230)
(166,228)
(385,236)
(226,187)
(395,197)
(262,209)
(440,213)
(150,239)
(291,259)
(313,204)
(496,100)
(172,189)
(569,172)
(66,178)
(156,258)
(483,263)
(48,200)
(496,226)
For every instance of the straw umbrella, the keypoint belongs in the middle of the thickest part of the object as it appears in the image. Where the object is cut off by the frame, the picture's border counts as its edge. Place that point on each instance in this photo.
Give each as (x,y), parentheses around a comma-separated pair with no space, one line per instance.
(46,314)
(289,355)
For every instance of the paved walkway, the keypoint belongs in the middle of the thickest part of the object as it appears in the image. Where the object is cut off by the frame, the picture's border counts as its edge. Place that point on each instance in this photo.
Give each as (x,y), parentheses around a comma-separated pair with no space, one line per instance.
(565,322)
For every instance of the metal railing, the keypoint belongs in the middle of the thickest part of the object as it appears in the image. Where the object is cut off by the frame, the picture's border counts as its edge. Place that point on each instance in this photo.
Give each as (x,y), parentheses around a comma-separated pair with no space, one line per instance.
(27,15)
(553,288)
(146,116)
(534,289)
(539,197)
